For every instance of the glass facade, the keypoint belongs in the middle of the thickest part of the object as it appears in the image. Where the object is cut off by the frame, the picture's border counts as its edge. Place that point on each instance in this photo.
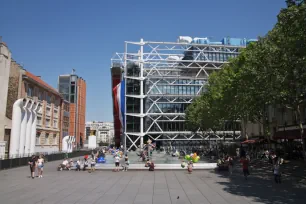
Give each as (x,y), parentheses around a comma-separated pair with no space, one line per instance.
(170,76)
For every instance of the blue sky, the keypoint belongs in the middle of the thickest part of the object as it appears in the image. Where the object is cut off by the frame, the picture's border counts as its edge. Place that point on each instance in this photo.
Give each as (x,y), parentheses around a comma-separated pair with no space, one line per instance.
(52,37)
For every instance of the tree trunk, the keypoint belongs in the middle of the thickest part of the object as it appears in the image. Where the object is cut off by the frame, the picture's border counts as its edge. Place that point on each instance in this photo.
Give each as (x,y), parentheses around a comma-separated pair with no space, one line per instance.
(298,118)
(245,122)
(265,125)
(234,131)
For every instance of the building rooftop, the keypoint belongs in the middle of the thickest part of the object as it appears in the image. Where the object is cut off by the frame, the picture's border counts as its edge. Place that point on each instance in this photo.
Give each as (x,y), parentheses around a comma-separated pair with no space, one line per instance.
(41,82)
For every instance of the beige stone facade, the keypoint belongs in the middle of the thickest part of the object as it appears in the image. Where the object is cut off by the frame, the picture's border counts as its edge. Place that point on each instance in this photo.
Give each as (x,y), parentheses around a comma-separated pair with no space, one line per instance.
(23,84)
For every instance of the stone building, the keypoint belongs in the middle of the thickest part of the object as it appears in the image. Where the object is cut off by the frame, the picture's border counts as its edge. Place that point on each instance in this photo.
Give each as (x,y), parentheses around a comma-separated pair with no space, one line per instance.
(65,119)
(23,84)
(73,90)
(104,131)
(5,61)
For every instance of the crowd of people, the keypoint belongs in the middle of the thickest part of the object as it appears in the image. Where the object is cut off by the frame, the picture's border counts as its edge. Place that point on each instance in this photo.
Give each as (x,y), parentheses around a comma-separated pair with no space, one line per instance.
(226,162)
(243,157)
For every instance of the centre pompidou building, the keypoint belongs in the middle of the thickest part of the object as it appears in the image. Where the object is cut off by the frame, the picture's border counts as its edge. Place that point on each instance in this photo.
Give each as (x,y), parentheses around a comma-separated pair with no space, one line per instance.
(160,80)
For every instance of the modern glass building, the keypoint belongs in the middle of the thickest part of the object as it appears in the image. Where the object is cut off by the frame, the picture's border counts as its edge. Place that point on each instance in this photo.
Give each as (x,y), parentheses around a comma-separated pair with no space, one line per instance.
(73,90)
(162,79)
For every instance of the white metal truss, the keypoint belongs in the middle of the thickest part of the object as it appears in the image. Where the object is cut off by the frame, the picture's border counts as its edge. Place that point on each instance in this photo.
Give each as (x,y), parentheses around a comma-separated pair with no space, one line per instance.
(171,74)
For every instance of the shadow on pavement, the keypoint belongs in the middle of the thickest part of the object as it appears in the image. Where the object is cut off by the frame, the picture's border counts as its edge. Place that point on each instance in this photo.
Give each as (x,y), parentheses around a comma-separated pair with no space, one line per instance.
(260,186)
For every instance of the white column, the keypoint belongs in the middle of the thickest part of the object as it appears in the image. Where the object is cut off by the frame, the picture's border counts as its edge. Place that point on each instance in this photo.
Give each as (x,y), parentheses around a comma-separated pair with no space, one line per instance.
(123,132)
(29,128)
(141,93)
(23,129)
(16,127)
(33,128)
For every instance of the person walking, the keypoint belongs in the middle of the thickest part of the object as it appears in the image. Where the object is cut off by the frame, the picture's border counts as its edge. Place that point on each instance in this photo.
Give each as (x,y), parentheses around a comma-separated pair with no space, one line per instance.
(32,164)
(230,164)
(117,162)
(245,167)
(276,170)
(40,166)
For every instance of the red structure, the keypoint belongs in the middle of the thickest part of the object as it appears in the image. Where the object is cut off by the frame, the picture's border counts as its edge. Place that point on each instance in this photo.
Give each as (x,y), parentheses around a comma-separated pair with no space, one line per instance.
(116,78)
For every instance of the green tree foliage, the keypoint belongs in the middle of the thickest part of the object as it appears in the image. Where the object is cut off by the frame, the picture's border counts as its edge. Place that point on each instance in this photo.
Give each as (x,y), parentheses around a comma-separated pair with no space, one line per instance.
(269,72)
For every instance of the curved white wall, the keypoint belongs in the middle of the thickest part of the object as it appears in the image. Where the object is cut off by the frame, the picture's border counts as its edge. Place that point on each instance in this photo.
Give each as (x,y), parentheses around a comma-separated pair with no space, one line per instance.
(16,126)
(23,131)
(67,144)
(29,128)
(33,128)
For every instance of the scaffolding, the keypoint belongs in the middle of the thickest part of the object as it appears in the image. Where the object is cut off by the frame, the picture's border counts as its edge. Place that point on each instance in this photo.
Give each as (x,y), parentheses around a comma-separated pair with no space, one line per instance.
(161,80)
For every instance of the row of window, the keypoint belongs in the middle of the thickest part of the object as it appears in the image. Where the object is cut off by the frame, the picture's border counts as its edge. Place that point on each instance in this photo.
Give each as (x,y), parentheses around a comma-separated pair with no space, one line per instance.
(219,57)
(133,125)
(167,126)
(178,81)
(167,107)
(175,90)
(47,122)
(41,95)
(50,139)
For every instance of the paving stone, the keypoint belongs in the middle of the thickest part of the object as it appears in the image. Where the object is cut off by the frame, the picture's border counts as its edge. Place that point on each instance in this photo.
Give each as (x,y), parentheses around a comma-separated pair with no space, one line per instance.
(145,187)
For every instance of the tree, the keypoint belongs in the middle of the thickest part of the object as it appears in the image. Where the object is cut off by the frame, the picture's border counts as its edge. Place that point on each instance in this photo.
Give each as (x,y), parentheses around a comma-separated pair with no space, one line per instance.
(201,115)
(289,36)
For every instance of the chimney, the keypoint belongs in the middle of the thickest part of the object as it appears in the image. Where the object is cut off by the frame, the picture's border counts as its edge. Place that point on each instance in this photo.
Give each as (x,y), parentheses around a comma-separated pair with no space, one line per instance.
(39,77)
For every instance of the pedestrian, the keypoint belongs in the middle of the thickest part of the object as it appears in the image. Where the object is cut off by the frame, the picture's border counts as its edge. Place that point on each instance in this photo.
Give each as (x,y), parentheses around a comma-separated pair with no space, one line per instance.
(245,167)
(230,164)
(85,164)
(276,171)
(117,162)
(40,166)
(126,163)
(189,167)
(78,165)
(148,163)
(93,164)
(32,164)
(151,166)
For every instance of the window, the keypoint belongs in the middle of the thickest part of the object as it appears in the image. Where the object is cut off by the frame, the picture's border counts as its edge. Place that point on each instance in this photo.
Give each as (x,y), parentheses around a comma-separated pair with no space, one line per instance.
(39,122)
(54,139)
(55,123)
(48,122)
(71,98)
(72,89)
(37,139)
(30,91)
(48,111)
(39,109)
(55,114)
(47,138)
(40,95)
(48,98)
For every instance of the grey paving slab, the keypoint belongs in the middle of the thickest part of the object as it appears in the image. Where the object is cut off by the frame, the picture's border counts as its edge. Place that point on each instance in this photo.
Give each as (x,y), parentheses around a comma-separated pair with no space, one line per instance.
(164,198)
(145,187)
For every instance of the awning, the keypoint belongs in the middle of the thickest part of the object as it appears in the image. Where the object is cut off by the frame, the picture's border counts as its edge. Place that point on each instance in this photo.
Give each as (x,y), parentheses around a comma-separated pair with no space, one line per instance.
(248,142)
(288,134)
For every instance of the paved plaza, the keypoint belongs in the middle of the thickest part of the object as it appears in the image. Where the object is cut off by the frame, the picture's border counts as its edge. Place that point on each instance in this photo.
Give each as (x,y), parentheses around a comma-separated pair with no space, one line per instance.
(159,187)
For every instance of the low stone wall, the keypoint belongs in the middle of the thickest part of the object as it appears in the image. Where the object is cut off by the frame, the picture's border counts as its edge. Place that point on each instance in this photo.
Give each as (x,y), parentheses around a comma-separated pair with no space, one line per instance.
(16,162)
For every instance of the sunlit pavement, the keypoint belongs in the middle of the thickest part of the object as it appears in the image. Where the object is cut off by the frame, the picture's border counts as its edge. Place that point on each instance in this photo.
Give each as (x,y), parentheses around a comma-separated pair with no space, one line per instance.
(160,187)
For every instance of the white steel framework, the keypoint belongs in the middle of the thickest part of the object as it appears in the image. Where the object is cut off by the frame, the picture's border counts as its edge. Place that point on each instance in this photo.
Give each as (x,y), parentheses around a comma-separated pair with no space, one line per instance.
(161,79)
